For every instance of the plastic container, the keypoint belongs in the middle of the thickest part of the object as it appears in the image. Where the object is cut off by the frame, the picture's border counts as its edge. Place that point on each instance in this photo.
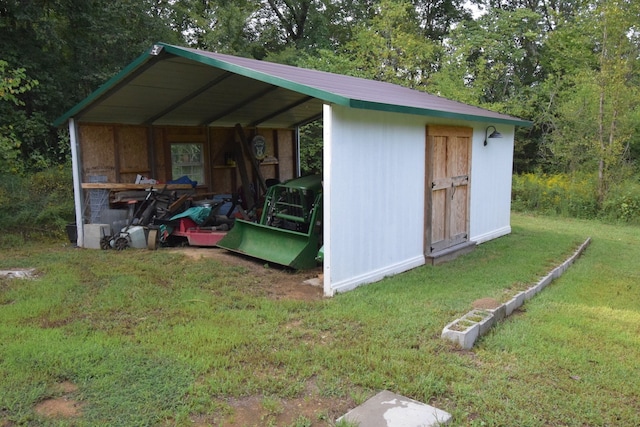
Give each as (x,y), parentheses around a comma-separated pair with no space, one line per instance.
(138,237)
(72,233)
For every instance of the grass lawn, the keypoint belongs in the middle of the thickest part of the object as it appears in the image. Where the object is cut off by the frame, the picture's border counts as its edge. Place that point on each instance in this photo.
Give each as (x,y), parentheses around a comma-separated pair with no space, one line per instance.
(139,338)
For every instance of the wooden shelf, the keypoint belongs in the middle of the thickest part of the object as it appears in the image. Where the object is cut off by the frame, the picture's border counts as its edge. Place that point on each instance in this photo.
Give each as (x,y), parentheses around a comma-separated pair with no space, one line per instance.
(124,186)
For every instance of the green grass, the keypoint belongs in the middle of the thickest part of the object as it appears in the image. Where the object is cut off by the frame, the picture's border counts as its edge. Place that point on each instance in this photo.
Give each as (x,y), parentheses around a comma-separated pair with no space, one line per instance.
(156,338)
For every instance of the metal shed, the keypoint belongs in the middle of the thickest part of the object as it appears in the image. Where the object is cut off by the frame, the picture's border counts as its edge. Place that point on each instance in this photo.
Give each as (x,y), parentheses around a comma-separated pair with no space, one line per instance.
(408,177)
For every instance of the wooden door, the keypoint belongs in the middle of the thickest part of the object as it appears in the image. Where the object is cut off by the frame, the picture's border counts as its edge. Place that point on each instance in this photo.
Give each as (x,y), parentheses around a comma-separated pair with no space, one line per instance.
(448,154)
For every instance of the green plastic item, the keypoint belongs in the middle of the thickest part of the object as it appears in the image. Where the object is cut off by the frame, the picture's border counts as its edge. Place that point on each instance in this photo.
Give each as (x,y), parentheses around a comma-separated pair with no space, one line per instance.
(290,229)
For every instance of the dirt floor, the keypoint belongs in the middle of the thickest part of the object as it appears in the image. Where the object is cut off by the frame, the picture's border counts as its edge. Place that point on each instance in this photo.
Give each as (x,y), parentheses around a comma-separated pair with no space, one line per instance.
(279,283)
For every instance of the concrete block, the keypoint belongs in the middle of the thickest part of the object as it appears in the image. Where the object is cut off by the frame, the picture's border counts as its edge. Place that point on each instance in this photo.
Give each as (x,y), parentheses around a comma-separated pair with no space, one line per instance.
(485,323)
(538,287)
(520,297)
(93,233)
(465,338)
(387,409)
(511,306)
(530,293)
(546,280)
(465,330)
(499,313)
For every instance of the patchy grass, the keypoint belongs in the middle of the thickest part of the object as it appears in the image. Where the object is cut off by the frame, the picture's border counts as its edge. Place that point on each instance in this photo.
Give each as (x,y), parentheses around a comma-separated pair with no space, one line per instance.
(158,338)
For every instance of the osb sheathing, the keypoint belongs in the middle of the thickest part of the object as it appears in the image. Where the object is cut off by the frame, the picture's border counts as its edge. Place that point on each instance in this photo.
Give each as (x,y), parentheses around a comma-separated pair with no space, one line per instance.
(133,152)
(121,152)
(98,152)
(286,154)
(225,177)
(159,168)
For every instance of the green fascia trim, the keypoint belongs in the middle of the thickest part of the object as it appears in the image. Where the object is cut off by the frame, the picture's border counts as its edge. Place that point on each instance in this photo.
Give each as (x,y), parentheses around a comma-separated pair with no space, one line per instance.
(141,60)
(256,75)
(402,109)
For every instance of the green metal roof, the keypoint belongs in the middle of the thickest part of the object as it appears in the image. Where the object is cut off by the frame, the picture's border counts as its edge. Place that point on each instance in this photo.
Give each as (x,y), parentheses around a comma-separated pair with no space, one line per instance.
(172,85)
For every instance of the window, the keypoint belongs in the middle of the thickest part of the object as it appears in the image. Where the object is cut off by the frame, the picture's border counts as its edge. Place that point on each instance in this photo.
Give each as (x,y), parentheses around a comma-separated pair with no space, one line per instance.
(188,159)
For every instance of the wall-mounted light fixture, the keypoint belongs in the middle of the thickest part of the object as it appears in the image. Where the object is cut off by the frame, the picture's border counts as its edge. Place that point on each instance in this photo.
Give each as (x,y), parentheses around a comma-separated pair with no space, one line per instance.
(494,134)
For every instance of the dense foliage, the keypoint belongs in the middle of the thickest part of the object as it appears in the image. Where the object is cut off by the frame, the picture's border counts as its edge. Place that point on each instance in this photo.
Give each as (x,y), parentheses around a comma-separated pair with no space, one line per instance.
(39,204)
(571,67)
(576,196)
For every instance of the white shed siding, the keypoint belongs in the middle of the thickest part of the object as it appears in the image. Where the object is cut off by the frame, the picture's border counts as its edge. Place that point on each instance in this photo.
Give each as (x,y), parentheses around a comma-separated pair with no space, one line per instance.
(491,169)
(374,168)
(373,195)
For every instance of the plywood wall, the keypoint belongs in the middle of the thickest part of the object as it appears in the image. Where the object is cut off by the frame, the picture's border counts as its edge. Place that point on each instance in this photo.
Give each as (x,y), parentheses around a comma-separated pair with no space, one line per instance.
(98,152)
(161,161)
(224,174)
(121,152)
(132,144)
(287,154)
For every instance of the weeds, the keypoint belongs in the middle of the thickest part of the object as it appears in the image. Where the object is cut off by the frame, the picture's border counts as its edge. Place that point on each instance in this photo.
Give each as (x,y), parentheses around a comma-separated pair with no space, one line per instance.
(576,197)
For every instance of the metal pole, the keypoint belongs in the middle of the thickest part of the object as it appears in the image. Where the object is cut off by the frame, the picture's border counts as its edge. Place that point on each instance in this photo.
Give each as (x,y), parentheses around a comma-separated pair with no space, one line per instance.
(77,180)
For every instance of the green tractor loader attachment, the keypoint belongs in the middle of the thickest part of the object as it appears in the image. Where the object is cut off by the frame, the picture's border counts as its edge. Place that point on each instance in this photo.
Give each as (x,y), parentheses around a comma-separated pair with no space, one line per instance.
(290,228)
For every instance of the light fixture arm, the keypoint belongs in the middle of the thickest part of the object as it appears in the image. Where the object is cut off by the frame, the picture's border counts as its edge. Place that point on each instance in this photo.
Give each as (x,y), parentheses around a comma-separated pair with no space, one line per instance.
(494,134)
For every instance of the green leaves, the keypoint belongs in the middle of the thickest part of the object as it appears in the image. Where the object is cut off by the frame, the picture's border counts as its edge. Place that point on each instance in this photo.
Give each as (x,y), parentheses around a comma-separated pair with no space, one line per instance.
(13,82)
(596,110)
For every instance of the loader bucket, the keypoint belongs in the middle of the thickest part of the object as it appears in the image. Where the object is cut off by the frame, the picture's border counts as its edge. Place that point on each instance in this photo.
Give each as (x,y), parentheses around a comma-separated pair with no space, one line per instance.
(290,228)
(276,245)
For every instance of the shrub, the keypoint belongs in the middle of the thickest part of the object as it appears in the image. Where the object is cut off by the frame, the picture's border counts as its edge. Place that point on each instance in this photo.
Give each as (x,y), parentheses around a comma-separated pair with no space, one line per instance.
(557,194)
(623,202)
(40,204)
(576,196)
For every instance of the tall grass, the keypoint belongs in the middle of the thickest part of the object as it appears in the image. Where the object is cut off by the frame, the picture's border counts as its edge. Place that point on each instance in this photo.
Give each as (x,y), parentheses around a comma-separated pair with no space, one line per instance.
(156,338)
(577,196)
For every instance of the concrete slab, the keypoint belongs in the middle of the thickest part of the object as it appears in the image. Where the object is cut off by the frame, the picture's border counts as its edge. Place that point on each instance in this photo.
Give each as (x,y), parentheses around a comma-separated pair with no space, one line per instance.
(18,273)
(387,409)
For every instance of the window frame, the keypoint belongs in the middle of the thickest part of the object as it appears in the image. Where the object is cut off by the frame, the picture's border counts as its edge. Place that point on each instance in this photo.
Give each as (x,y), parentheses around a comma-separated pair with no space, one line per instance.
(203,161)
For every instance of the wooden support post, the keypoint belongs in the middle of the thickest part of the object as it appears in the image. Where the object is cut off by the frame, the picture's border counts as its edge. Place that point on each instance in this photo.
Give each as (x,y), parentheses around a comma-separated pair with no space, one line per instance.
(246,144)
(247,197)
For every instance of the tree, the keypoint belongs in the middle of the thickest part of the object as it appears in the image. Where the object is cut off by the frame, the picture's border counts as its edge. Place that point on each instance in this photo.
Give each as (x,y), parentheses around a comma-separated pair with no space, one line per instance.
(219,26)
(437,17)
(387,48)
(495,63)
(309,25)
(550,11)
(13,82)
(71,47)
(598,104)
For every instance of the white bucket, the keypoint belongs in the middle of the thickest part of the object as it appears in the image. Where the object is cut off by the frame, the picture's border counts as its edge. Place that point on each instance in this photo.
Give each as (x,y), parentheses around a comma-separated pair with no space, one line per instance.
(138,237)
